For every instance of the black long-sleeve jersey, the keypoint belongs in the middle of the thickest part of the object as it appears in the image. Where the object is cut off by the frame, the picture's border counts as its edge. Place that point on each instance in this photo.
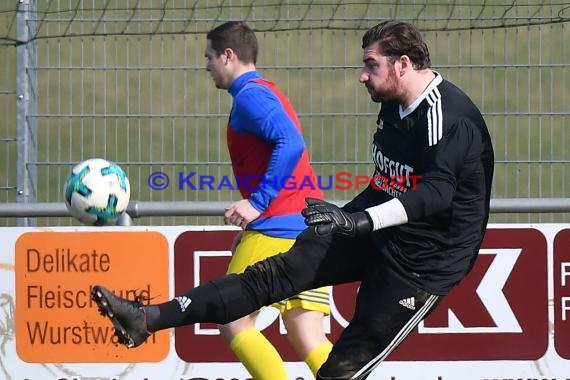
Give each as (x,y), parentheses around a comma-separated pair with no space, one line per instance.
(437,158)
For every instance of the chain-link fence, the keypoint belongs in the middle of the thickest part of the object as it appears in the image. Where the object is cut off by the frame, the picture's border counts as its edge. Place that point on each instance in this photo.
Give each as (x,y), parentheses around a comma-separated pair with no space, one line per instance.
(125,80)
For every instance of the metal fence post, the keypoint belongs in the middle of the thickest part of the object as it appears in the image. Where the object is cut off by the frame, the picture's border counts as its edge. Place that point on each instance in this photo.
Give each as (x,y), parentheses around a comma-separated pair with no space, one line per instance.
(26,85)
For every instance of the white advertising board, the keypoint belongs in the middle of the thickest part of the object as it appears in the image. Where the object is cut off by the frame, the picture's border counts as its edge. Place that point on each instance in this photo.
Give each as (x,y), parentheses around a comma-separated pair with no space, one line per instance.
(508,320)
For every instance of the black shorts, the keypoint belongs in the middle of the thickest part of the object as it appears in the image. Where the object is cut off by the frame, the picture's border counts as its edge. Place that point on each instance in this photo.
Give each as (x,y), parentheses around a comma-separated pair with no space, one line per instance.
(388,306)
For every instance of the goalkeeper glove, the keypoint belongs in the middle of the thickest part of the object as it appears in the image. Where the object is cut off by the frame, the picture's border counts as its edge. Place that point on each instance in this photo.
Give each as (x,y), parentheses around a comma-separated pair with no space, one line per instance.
(328,218)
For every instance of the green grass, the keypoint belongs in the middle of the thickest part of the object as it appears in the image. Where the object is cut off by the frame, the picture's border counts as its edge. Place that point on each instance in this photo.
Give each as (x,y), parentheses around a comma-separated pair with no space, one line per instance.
(147,103)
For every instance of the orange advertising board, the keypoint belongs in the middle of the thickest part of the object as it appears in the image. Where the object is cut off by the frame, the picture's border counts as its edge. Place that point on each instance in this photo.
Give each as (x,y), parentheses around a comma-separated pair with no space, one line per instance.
(56,320)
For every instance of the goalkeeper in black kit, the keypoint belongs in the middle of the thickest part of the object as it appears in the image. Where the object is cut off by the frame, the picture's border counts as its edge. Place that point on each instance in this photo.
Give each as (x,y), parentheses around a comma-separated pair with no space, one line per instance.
(408,245)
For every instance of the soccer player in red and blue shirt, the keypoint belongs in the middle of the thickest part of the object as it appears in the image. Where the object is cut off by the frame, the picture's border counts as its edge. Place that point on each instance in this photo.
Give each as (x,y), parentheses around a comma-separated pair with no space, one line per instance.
(272,171)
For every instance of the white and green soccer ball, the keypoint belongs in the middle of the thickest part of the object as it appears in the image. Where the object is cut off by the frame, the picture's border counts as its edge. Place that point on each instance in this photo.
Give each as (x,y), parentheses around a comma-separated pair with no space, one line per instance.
(97,192)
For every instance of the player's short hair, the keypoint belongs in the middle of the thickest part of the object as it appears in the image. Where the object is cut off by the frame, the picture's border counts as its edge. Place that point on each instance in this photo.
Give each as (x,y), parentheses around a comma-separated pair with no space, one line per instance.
(235,35)
(397,38)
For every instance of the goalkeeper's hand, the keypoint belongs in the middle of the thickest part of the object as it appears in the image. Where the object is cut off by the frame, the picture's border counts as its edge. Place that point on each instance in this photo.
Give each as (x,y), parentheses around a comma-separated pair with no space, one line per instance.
(330,219)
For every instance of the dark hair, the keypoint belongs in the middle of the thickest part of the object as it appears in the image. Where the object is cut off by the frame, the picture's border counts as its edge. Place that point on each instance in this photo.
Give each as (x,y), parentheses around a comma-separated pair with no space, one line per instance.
(397,38)
(237,36)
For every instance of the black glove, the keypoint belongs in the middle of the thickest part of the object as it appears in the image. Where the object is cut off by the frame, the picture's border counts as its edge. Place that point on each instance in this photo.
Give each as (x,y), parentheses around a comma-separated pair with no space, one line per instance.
(328,218)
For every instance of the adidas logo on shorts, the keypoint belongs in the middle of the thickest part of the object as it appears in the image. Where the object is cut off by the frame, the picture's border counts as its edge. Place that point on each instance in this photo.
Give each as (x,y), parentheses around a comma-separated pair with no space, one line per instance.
(410,303)
(184,302)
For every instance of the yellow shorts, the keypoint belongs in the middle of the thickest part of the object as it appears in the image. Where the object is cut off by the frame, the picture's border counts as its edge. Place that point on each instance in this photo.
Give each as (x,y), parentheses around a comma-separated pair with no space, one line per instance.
(255,246)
